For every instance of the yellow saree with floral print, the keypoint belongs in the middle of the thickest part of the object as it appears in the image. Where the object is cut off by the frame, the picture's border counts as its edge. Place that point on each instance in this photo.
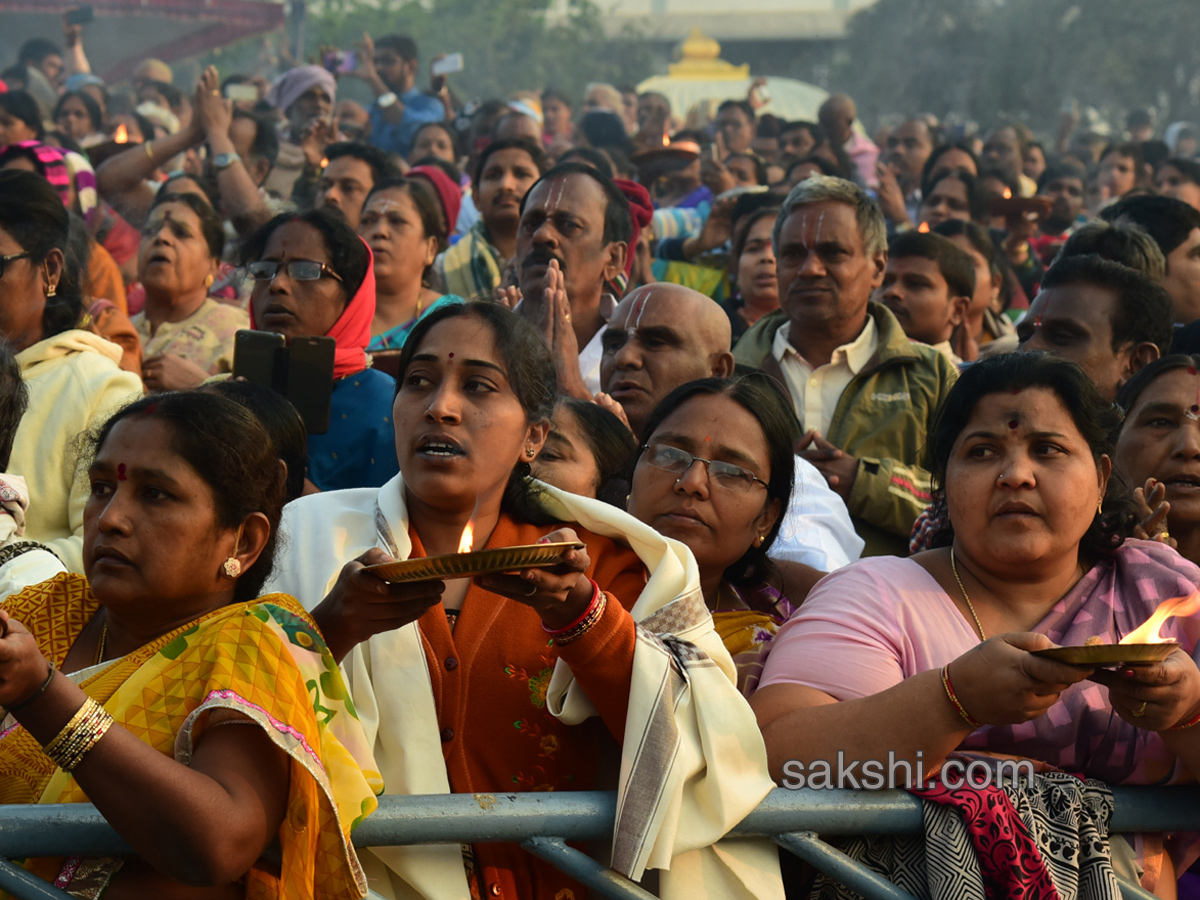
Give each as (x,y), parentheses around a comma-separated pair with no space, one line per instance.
(265,661)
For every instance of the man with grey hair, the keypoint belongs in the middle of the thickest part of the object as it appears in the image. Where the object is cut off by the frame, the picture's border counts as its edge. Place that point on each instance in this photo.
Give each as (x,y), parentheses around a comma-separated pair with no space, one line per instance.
(865,394)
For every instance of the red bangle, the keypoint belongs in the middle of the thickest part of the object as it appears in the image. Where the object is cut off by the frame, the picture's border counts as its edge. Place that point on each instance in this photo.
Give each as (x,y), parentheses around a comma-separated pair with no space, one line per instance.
(1188,724)
(554,632)
(962,711)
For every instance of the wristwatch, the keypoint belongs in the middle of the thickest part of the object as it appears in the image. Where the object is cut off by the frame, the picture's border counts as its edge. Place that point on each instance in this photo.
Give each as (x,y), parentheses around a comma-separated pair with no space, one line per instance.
(386,100)
(223,161)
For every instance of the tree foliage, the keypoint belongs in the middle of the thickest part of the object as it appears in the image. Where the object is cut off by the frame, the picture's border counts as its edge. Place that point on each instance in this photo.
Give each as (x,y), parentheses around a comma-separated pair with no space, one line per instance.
(507,45)
(982,58)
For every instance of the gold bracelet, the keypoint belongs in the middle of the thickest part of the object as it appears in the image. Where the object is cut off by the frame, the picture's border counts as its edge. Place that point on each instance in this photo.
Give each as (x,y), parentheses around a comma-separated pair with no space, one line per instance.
(962,711)
(149,149)
(85,729)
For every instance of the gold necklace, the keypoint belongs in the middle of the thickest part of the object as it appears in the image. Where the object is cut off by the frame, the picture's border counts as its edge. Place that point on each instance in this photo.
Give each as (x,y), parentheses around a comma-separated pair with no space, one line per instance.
(100,646)
(966,596)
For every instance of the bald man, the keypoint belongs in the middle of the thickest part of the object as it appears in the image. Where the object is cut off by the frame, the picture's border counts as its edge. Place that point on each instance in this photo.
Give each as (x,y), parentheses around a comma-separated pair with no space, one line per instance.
(837,115)
(664,335)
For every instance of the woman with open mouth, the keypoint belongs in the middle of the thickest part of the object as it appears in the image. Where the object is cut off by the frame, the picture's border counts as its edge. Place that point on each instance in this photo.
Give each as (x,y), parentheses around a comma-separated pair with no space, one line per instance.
(534,680)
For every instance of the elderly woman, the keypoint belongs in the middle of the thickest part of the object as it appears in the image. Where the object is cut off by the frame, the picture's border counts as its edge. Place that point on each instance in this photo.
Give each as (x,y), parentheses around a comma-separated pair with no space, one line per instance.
(404,223)
(934,651)
(727,509)
(186,335)
(314,277)
(73,375)
(532,680)
(117,688)
(1159,446)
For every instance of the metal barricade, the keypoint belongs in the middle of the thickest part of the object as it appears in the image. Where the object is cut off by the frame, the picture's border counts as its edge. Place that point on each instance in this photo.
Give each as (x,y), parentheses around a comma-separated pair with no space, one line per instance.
(543,822)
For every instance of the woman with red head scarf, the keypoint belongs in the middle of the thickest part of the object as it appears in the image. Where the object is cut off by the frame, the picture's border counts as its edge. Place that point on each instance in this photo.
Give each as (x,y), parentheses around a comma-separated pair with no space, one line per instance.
(314,277)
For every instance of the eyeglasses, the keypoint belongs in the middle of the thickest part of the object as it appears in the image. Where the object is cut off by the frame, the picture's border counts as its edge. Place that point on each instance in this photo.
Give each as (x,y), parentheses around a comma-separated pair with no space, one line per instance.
(12,257)
(722,474)
(297,269)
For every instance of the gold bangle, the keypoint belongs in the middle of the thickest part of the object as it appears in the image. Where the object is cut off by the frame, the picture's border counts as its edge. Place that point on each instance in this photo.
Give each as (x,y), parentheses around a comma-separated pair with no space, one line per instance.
(85,729)
(148,147)
(962,711)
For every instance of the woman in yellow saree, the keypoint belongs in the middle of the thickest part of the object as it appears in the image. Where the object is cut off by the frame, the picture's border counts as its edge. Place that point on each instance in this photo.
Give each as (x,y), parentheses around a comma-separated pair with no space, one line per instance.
(117,687)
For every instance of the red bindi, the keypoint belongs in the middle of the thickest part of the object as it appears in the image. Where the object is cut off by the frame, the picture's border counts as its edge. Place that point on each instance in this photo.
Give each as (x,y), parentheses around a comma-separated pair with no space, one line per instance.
(1013,424)
(1192,370)
(452,356)
(121,476)
(707,439)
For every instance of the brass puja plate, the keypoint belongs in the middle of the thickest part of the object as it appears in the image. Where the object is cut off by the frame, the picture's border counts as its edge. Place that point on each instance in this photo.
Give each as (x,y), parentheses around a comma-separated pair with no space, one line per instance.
(1109,654)
(478,562)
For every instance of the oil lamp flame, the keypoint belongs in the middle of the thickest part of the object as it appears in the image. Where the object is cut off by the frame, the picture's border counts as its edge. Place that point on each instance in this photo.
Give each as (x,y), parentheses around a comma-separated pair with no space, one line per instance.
(468,538)
(1148,631)
(923,228)
(121,135)
(1008,193)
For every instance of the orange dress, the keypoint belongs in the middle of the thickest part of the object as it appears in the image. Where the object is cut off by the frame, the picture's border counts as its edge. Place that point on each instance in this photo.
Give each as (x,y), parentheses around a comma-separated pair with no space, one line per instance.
(489,685)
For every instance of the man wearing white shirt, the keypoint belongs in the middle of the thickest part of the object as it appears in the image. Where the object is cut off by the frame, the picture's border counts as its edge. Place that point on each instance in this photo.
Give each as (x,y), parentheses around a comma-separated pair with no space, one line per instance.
(571,245)
(664,335)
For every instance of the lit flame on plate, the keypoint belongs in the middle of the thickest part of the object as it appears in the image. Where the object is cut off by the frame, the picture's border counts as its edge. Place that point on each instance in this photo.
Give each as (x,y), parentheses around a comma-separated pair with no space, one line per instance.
(1148,631)
(468,538)
(121,135)
(923,228)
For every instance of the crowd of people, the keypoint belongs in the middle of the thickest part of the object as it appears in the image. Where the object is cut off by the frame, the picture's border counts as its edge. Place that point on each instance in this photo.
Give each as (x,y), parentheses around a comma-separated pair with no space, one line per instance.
(838,432)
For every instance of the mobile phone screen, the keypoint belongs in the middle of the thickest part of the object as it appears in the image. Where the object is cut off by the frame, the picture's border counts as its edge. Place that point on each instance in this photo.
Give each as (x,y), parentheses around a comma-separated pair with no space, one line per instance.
(310,380)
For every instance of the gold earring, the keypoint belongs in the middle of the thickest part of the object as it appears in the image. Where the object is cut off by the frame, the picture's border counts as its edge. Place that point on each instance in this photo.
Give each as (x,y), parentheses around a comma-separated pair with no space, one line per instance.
(208,280)
(1100,507)
(758,541)
(530,453)
(233,565)
(52,291)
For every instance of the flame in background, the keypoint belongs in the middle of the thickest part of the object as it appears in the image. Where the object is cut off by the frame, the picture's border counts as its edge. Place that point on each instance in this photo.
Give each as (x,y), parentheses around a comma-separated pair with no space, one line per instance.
(468,538)
(1008,193)
(1148,631)
(121,135)
(923,228)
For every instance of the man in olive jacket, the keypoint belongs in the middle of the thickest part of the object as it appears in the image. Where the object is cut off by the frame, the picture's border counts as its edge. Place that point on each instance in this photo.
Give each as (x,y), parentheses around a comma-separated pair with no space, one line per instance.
(865,394)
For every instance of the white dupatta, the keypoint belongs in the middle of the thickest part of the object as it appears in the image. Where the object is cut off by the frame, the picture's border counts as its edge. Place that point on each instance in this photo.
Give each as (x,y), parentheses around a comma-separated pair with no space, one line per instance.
(693,763)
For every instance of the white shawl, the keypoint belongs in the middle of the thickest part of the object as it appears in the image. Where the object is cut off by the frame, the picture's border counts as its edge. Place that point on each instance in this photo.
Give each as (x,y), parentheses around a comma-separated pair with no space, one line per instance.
(693,763)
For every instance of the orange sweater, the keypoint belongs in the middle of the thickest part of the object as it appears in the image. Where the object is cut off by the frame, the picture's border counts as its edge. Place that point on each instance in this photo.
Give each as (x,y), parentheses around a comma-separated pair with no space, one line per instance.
(489,685)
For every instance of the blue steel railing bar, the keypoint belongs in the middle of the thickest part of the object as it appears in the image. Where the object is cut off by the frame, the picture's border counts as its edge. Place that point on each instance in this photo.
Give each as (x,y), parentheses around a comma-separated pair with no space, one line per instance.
(544,822)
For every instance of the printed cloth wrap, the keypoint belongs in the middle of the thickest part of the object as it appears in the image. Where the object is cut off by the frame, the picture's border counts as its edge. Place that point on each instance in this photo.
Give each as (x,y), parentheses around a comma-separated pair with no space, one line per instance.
(265,660)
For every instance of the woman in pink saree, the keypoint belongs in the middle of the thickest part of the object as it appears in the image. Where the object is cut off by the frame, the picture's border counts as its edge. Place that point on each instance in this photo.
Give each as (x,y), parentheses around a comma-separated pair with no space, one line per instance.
(929,658)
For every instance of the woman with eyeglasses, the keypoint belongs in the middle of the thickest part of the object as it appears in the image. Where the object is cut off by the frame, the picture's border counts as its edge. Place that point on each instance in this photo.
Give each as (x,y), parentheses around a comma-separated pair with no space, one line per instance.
(314,277)
(186,334)
(716,473)
(73,375)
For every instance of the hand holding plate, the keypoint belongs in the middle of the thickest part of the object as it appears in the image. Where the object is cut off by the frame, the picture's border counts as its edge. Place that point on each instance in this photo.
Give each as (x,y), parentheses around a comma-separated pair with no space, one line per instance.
(560,594)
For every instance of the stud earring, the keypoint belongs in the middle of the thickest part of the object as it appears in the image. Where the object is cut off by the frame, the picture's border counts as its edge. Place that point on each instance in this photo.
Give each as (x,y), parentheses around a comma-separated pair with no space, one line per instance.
(530,453)
(233,565)
(758,541)
(208,281)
